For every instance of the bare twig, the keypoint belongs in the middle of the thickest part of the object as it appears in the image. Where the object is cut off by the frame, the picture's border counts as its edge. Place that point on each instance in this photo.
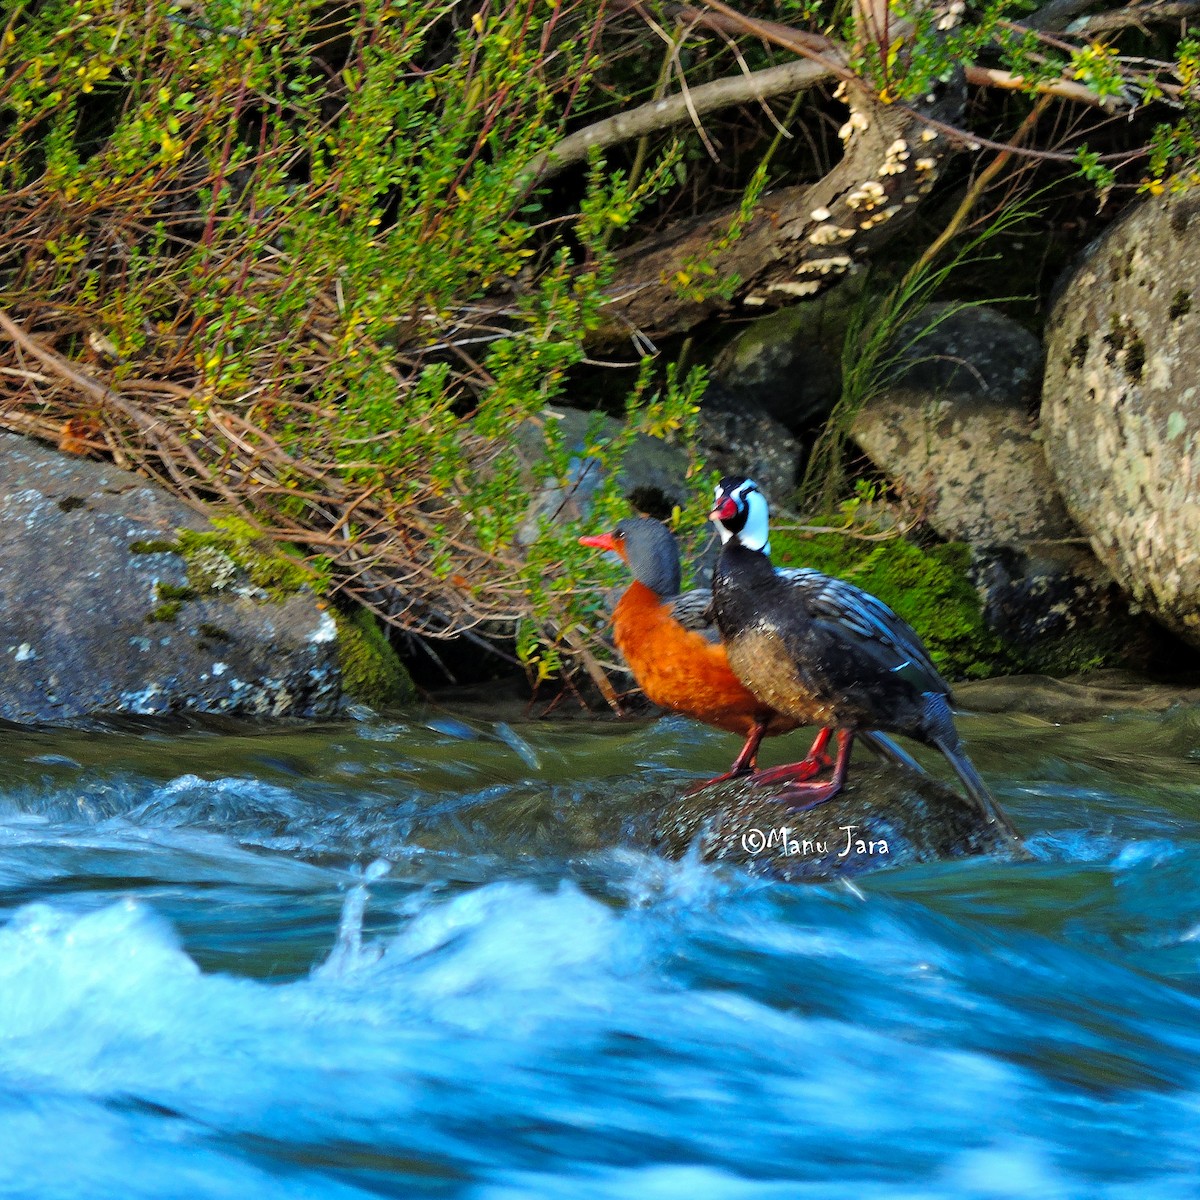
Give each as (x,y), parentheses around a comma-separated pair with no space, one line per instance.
(1068,89)
(978,186)
(675,110)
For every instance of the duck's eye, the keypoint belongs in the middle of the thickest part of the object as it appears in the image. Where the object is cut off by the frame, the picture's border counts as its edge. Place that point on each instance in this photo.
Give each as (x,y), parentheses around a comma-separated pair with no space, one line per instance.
(619,535)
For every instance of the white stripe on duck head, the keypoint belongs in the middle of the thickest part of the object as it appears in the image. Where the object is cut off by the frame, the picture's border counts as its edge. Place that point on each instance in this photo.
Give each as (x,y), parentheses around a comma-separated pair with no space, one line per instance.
(741,511)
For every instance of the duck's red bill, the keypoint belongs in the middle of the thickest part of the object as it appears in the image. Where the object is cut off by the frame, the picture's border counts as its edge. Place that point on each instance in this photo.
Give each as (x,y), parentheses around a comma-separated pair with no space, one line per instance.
(726,509)
(602,541)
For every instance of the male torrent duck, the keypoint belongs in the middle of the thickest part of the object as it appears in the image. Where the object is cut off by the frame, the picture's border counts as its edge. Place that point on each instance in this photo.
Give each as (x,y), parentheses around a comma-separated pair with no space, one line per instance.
(825,651)
(671,644)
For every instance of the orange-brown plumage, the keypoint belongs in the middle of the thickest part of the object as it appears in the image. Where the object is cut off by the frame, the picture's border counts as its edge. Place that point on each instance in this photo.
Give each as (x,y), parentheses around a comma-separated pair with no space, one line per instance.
(671,645)
(680,669)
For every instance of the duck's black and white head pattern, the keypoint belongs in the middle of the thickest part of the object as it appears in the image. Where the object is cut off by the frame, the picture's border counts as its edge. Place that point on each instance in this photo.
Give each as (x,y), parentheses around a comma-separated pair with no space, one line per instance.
(741,511)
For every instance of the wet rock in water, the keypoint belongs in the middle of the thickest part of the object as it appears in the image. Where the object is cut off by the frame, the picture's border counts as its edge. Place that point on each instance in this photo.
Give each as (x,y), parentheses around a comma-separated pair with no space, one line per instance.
(1121,404)
(1084,697)
(99,616)
(884,817)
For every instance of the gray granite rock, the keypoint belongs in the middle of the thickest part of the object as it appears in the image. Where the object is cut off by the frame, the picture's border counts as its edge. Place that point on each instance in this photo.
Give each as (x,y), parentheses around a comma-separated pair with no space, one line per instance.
(971,351)
(1121,404)
(953,428)
(789,363)
(732,437)
(653,473)
(973,464)
(89,625)
(737,437)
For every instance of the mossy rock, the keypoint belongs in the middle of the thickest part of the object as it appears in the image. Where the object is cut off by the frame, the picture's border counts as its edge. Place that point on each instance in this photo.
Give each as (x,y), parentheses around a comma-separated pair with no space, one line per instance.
(372,672)
(933,590)
(929,588)
(217,557)
(230,556)
(128,632)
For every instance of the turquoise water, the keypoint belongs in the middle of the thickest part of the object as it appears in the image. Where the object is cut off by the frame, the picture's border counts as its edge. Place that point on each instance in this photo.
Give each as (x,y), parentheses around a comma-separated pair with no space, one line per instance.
(420,959)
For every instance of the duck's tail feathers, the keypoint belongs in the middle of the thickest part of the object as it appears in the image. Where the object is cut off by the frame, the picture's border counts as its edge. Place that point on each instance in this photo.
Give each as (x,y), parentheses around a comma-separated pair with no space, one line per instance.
(970,778)
(889,749)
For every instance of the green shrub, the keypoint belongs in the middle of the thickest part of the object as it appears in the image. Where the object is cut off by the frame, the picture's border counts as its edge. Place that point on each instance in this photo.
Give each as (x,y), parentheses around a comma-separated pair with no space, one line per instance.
(277,246)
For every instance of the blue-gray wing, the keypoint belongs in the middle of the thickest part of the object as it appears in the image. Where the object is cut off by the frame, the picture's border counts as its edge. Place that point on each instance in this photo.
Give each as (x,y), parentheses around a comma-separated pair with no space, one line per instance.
(694,610)
(847,611)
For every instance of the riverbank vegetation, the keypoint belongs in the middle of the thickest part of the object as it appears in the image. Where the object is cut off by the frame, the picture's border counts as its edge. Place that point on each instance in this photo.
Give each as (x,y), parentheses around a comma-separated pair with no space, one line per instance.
(322,266)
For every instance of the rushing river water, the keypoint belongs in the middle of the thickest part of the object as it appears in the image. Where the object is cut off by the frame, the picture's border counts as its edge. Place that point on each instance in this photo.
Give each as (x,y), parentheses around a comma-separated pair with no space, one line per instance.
(410,959)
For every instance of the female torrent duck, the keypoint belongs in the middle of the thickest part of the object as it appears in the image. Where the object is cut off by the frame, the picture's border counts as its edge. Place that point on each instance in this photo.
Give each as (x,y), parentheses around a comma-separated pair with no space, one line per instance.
(672,646)
(822,649)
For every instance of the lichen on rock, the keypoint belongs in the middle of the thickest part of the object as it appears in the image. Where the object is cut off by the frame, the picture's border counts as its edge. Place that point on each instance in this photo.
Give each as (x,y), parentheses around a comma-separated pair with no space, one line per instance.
(101,610)
(1121,405)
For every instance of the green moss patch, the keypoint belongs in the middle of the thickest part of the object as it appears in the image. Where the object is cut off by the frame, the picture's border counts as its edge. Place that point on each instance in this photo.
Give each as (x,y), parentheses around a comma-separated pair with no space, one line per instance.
(154,546)
(217,557)
(227,555)
(928,588)
(372,672)
(170,599)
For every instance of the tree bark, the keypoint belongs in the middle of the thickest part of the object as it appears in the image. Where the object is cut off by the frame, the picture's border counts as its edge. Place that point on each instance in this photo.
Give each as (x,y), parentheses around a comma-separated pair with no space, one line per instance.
(800,240)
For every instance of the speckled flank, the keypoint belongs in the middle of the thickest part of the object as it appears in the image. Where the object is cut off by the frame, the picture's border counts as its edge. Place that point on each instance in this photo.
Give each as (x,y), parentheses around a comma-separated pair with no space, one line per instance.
(1121,407)
(763,662)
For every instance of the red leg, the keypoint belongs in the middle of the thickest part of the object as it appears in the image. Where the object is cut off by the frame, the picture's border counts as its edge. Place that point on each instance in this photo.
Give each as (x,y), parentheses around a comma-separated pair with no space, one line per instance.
(744,763)
(814,764)
(747,758)
(808,795)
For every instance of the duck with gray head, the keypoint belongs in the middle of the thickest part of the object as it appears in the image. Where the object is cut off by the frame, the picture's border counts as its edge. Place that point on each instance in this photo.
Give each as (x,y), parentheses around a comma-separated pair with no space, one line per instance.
(822,650)
(674,649)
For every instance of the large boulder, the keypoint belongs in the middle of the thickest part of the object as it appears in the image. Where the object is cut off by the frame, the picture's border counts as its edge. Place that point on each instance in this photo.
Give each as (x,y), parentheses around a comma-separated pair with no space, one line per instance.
(1121,404)
(653,471)
(953,429)
(967,349)
(973,464)
(99,616)
(733,438)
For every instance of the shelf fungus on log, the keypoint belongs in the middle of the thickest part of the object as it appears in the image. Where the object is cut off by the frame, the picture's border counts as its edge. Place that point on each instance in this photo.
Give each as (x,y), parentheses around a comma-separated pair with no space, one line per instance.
(894,154)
